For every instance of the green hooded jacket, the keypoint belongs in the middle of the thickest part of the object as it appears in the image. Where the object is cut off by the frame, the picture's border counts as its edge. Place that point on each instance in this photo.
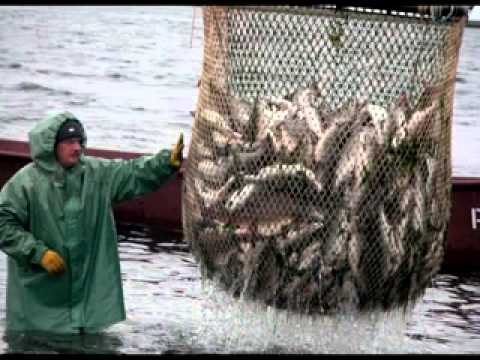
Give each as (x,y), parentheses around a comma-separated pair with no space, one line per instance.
(44,206)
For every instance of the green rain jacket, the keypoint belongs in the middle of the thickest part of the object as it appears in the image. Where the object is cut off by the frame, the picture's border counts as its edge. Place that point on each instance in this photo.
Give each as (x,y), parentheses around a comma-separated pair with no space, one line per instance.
(44,206)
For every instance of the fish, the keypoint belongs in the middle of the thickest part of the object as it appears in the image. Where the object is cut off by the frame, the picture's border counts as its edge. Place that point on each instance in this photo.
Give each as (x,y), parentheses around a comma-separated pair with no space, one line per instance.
(276,171)
(252,203)
(217,130)
(289,142)
(241,111)
(255,258)
(423,121)
(293,260)
(203,151)
(305,96)
(258,120)
(324,208)
(274,228)
(296,141)
(357,156)
(354,256)
(276,120)
(295,236)
(419,210)
(314,119)
(433,257)
(309,255)
(365,177)
(334,249)
(249,157)
(438,208)
(215,171)
(214,197)
(330,146)
(212,243)
(284,175)
(214,121)
(240,197)
(392,236)
(382,121)
(401,110)
(347,296)
(221,140)
(429,92)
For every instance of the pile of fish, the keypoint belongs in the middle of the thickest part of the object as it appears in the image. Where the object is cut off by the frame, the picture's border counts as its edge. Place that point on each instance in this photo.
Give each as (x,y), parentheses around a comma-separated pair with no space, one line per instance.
(318,211)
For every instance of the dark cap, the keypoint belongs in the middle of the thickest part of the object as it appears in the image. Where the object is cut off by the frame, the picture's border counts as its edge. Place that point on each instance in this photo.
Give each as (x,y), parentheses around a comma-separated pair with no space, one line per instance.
(69,129)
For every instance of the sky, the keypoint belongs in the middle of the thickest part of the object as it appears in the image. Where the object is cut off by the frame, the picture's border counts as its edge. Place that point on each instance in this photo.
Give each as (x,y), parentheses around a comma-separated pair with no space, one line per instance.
(475,14)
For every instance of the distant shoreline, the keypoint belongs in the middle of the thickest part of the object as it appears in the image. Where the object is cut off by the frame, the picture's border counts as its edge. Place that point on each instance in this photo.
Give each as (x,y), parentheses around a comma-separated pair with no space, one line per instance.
(473,23)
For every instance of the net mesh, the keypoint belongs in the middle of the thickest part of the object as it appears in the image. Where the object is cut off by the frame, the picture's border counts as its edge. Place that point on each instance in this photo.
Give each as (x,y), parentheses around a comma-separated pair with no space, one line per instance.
(318,172)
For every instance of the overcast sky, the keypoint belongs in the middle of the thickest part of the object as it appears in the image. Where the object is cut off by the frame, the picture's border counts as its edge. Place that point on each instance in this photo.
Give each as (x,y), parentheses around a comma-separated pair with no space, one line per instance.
(475,14)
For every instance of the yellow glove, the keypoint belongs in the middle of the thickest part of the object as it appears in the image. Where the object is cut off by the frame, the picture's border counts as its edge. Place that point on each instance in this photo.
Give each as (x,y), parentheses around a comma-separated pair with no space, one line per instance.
(176,156)
(52,262)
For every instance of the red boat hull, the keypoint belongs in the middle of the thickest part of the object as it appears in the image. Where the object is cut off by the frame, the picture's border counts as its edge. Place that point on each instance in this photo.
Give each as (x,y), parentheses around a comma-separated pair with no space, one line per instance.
(161,209)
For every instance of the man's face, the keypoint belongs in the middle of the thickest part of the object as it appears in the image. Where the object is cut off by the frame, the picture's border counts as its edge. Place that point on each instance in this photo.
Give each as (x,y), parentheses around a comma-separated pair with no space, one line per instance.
(68,152)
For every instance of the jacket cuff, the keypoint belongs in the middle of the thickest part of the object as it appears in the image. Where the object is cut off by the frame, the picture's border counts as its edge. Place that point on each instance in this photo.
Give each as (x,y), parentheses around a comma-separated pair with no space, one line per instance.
(37,256)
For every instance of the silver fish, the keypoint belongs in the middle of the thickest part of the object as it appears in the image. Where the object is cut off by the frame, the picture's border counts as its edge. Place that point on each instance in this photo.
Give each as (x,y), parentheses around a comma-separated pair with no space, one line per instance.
(315,120)
(329,146)
(423,121)
(354,256)
(216,122)
(214,197)
(400,112)
(382,121)
(433,257)
(203,151)
(213,244)
(240,197)
(439,212)
(419,203)
(241,112)
(251,260)
(309,255)
(293,260)
(274,228)
(296,235)
(284,175)
(261,121)
(215,172)
(249,157)
(357,154)
(254,203)
(347,296)
(393,240)
(367,150)
(335,250)
(220,139)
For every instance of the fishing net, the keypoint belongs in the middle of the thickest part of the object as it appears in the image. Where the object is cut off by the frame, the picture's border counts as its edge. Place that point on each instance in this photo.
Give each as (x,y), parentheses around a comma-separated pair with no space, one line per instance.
(318,174)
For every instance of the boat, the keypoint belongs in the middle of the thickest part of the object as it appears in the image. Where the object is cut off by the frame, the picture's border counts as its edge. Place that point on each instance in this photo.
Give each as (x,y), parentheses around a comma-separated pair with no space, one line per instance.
(161,210)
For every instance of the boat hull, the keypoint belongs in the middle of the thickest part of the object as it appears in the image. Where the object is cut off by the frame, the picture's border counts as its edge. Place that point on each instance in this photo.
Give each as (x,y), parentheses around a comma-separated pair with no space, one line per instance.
(162,209)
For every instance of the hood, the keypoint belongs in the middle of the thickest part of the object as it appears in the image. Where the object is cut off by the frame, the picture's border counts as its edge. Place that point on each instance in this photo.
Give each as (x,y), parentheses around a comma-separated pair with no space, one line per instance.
(42,139)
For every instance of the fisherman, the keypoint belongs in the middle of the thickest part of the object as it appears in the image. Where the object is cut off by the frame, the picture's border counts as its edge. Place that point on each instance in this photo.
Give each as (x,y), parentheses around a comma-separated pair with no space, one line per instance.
(58,230)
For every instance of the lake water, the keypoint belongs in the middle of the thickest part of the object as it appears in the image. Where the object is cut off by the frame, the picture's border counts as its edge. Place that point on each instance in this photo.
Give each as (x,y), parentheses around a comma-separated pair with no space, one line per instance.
(129,73)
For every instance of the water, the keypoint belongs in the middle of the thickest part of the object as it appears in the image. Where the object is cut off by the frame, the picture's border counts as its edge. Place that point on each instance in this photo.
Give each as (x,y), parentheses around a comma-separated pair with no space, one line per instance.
(124,71)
